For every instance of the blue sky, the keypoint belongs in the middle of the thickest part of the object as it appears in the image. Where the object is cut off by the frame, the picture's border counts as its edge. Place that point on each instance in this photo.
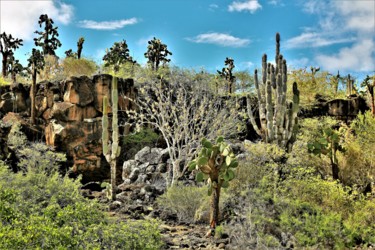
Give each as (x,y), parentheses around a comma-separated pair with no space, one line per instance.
(332,34)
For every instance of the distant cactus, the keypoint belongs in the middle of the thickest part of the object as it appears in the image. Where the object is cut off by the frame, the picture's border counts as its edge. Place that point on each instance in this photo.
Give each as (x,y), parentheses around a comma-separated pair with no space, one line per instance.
(157,53)
(80,47)
(278,118)
(216,163)
(111,151)
(227,74)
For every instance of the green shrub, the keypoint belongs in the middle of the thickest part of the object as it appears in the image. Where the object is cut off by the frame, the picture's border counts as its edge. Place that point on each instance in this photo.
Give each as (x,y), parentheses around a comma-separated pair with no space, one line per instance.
(187,202)
(78,67)
(134,142)
(41,209)
(286,203)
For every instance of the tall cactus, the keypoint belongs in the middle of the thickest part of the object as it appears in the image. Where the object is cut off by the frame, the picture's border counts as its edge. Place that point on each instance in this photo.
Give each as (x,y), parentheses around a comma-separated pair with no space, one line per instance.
(111,151)
(278,118)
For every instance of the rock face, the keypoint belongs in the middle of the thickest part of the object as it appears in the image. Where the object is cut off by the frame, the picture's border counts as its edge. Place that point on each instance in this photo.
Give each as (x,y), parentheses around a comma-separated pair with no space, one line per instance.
(346,109)
(70,112)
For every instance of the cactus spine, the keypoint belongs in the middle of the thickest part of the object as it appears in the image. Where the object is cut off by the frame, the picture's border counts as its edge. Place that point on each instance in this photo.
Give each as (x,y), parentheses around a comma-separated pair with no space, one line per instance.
(111,151)
(278,118)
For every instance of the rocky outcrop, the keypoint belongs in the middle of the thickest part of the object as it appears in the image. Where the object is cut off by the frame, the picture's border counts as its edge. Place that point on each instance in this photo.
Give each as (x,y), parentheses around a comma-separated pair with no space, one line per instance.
(70,114)
(346,109)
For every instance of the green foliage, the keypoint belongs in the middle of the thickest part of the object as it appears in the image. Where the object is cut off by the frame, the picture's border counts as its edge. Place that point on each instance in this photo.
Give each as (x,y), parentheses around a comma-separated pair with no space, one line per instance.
(117,55)
(187,202)
(134,142)
(358,161)
(4,81)
(227,74)
(8,45)
(157,53)
(78,67)
(215,162)
(295,202)
(48,37)
(316,84)
(40,209)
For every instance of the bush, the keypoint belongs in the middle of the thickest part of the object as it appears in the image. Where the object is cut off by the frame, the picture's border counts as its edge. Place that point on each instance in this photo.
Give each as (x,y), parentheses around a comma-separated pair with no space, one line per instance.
(78,67)
(189,203)
(40,209)
(48,212)
(357,163)
(285,204)
(134,142)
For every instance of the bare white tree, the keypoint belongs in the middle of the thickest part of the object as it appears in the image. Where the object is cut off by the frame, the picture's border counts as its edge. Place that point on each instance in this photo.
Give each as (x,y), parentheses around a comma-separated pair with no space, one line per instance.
(184,115)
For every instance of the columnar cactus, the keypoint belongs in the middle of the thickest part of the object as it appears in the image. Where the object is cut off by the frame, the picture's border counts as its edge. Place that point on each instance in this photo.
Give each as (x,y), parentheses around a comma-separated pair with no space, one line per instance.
(215,163)
(111,151)
(278,118)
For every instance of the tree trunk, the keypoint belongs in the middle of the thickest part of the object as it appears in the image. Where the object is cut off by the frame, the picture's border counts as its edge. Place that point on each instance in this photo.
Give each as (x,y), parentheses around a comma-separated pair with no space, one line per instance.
(4,66)
(372,104)
(214,206)
(32,95)
(113,179)
(335,167)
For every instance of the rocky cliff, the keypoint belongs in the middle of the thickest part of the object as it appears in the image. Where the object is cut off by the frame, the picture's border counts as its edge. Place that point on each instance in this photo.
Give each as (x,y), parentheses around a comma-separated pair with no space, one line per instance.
(69,117)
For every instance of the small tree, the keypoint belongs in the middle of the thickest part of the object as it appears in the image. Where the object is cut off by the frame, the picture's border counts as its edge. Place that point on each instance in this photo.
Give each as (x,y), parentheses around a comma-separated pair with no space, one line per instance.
(157,53)
(8,45)
(215,163)
(14,68)
(227,74)
(117,55)
(36,63)
(183,115)
(48,37)
(80,42)
(328,145)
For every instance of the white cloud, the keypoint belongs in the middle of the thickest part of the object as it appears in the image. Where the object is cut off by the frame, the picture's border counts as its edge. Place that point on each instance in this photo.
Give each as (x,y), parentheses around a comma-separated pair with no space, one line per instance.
(359,57)
(221,39)
(213,7)
(275,2)
(358,15)
(314,40)
(250,5)
(299,63)
(20,18)
(107,25)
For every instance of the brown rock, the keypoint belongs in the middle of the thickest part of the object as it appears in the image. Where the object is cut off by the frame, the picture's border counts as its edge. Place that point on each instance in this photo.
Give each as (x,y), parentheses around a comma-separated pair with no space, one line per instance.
(78,91)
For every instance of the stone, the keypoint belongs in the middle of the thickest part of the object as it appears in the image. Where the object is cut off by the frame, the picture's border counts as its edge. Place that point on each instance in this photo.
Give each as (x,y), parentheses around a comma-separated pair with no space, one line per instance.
(127,168)
(134,175)
(148,155)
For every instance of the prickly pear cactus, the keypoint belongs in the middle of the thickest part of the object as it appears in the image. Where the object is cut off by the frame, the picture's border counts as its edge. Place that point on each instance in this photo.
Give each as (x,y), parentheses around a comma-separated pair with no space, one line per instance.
(215,163)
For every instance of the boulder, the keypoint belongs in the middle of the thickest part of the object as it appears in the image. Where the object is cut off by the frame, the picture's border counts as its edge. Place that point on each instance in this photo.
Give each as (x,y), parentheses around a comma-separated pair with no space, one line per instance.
(79,91)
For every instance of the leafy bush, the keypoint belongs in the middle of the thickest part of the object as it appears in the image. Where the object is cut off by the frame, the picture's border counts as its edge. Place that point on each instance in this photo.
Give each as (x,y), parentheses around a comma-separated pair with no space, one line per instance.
(358,161)
(40,209)
(288,205)
(187,202)
(48,212)
(134,142)
(78,67)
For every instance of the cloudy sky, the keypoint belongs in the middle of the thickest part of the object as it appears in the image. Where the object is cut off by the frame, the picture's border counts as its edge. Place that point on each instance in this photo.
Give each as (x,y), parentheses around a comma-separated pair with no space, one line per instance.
(332,34)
